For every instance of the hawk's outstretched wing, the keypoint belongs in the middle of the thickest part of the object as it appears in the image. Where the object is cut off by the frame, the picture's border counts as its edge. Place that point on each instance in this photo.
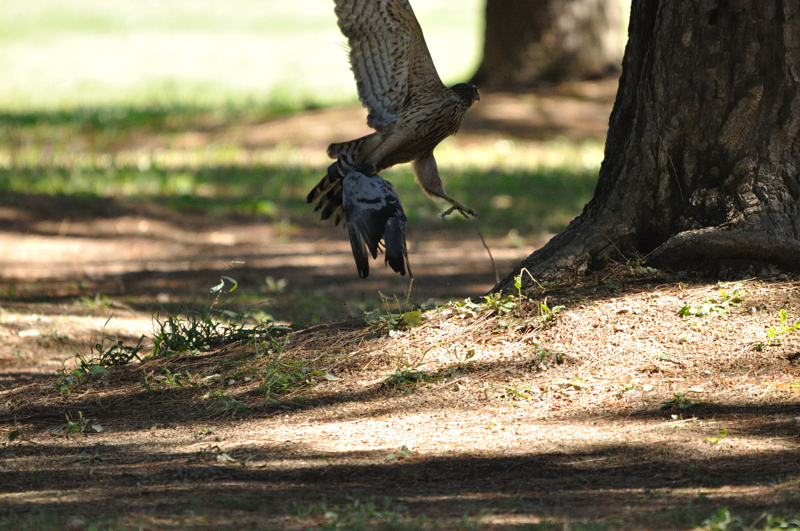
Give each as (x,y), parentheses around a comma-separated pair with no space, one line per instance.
(373,212)
(388,56)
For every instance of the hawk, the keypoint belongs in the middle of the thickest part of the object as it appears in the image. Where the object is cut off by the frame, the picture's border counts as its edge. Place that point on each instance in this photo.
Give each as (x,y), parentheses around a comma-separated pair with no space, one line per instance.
(410,108)
(373,212)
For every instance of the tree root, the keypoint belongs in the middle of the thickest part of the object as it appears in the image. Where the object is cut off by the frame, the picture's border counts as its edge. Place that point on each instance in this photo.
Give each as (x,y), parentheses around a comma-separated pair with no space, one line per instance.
(712,248)
(584,247)
(569,254)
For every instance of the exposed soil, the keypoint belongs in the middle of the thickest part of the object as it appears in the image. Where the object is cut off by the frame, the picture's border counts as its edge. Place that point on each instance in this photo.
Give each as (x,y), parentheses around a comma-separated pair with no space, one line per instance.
(590,403)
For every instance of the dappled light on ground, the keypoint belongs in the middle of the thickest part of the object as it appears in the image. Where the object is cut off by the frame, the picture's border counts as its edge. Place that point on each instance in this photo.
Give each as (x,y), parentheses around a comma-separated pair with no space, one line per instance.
(630,399)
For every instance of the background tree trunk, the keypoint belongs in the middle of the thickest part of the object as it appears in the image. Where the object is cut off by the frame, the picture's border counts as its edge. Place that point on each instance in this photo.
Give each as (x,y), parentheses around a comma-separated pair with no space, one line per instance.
(530,42)
(701,159)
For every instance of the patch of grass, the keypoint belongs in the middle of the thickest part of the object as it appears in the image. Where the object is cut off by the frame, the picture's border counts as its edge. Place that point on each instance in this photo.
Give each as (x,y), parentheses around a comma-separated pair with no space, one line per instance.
(678,402)
(211,181)
(356,515)
(31,520)
(714,439)
(514,392)
(99,361)
(202,330)
(729,297)
(187,51)
(282,377)
(197,331)
(724,520)
(81,424)
(219,401)
(408,377)
(777,331)
(167,380)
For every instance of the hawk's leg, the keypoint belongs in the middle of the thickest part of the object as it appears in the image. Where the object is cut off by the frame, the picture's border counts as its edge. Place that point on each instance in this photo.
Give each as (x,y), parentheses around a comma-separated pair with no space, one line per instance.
(427,174)
(464,211)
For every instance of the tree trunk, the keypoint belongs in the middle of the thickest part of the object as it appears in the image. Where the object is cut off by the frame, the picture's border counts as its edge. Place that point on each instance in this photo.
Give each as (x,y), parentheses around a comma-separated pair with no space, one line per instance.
(531,42)
(701,160)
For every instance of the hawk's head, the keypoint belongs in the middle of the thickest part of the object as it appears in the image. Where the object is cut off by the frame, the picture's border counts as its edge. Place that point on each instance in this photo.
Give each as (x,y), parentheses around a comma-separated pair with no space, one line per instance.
(467,92)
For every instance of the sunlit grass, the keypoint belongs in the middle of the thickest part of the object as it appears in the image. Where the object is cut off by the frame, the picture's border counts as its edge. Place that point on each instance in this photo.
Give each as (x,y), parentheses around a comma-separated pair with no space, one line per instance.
(59,54)
(523,187)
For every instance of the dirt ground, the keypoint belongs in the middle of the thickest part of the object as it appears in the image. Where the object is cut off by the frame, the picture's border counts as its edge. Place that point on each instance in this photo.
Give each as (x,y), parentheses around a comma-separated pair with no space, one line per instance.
(592,404)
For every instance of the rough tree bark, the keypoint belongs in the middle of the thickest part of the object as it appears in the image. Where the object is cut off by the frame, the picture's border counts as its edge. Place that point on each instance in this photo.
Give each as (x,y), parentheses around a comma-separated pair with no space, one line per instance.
(701,160)
(531,42)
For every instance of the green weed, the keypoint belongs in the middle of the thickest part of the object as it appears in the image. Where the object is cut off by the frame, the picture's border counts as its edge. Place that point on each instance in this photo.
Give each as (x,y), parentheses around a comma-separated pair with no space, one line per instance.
(714,439)
(167,380)
(281,378)
(777,331)
(389,320)
(408,377)
(544,357)
(97,364)
(546,313)
(218,400)
(513,392)
(679,401)
(358,515)
(729,297)
(98,301)
(500,305)
(201,330)
(81,424)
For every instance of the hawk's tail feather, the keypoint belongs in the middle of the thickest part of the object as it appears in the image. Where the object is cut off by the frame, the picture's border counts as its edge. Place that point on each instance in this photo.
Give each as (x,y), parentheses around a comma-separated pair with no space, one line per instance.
(345,149)
(354,150)
(327,183)
(328,193)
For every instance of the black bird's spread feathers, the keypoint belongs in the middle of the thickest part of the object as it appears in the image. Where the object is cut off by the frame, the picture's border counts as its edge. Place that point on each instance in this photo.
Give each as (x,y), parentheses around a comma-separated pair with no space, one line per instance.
(372,211)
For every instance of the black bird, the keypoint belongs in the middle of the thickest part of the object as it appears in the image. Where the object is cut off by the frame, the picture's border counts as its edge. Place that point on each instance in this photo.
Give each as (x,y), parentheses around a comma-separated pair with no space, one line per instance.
(372,211)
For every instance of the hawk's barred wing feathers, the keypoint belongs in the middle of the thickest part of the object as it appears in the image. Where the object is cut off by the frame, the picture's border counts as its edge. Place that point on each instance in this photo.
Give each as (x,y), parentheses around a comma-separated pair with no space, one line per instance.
(388,57)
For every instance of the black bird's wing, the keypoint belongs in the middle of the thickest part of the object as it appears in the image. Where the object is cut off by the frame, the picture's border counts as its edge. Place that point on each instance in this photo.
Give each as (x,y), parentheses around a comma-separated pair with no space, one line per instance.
(373,212)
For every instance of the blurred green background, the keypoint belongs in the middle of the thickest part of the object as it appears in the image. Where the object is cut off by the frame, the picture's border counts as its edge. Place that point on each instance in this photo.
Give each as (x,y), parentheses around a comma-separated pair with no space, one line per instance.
(59,54)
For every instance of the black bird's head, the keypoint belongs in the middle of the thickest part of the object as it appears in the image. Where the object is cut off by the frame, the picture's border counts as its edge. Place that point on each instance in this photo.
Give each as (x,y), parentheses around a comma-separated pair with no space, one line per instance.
(467,92)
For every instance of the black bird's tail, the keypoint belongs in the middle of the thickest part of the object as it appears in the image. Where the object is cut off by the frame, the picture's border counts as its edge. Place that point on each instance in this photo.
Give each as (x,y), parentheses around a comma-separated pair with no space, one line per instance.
(359,247)
(373,213)
(394,240)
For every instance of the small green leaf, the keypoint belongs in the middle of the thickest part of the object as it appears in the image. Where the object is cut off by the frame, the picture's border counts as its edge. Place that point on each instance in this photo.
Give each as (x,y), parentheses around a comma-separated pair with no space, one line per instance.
(412,318)
(218,287)
(13,435)
(373,317)
(232,281)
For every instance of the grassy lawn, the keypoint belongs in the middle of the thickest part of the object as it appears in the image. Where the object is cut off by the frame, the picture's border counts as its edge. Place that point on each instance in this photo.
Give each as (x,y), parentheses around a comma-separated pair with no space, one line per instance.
(56,53)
